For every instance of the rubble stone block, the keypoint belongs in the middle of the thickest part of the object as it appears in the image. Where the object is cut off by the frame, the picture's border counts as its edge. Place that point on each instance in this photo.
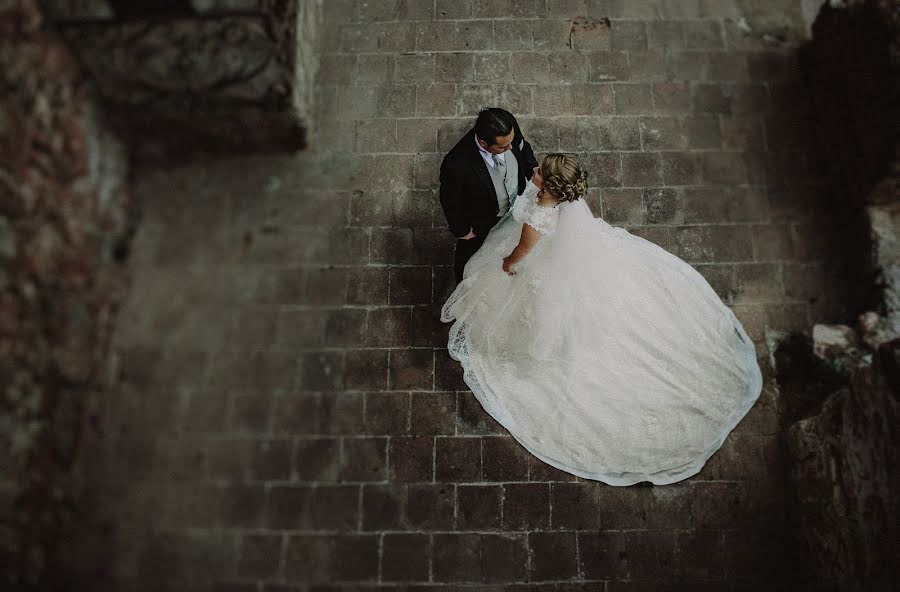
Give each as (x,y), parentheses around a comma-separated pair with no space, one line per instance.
(317,459)
(365,369)
(342,412)
(526,506)
(553,556)
(405,557)
(478,507)
(603,554)
(411,458)
(716,503)
(387,413)
(364,459)
(628,35)
(458,459)
(411,369)
(433,413)
(383,506)
(457,557)
(575,506)
(504,459)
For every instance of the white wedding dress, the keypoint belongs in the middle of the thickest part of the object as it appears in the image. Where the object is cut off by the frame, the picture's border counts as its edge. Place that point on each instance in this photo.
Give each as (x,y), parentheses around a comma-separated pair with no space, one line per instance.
(605,356)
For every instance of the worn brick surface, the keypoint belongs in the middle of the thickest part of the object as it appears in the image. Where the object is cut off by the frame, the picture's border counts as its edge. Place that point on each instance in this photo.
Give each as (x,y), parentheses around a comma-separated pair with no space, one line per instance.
(289,318)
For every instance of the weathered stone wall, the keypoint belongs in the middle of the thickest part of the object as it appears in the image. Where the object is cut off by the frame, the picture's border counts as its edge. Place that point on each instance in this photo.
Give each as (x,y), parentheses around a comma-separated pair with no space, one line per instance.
(845,508)
(852,75)
(840,389)
(63,240)
(183,78)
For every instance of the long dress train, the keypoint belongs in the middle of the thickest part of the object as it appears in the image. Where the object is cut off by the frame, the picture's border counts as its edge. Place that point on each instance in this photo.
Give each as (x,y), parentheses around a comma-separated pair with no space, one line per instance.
(605,356)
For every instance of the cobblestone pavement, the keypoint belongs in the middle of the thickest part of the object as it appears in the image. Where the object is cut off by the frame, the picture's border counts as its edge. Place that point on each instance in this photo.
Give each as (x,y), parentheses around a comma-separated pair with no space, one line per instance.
(288,417)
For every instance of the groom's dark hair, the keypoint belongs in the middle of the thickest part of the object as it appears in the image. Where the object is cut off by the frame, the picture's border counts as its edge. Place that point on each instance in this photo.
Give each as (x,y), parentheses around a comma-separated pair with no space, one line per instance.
(493,122)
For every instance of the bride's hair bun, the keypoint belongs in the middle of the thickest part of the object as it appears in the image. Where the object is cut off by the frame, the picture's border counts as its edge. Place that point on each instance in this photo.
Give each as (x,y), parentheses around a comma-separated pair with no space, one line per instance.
(563,177)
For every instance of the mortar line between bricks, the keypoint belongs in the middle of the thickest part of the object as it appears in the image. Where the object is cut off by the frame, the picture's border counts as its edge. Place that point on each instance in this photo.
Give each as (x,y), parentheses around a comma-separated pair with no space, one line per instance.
(387,457)
(409,404)
(197,531)
(238,550)
(502,504)
(371,307)
(311,483)
(528,556)
(340,453)
(380,557)
(579,572)
(295,445)
(550,501)
(255,583)
(468,19)
(431,557)
(481,458)
(455,507)
(359,508)
(479,583)
(375,22)
(282,558)
(810,262)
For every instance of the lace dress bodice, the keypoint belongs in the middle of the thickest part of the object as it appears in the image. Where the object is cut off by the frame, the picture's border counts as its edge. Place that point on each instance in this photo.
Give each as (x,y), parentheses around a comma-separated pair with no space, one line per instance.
(526,209)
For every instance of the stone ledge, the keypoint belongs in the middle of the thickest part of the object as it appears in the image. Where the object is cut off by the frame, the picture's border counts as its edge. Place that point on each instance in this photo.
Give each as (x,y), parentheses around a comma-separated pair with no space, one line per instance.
(227,77)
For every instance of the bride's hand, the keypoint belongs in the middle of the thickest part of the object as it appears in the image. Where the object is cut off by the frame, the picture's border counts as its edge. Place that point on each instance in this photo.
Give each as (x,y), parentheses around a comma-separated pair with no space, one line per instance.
(508,266)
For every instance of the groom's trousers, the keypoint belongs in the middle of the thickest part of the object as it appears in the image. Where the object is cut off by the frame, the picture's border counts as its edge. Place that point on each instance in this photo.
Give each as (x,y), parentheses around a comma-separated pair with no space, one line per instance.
(464,251)
(466,248)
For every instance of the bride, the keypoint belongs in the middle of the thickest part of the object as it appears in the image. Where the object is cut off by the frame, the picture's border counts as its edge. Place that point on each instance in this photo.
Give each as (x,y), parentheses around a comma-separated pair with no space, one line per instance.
(602,353)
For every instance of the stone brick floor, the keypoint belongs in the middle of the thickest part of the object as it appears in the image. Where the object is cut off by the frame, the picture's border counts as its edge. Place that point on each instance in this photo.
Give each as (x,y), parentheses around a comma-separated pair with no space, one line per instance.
(288,417)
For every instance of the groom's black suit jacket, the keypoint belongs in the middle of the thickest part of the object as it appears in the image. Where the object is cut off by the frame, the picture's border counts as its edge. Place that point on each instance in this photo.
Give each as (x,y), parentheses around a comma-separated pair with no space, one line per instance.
(468,196)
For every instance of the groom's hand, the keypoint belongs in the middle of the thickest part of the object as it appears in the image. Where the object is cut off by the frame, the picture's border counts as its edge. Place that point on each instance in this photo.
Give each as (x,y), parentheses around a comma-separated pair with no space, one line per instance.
(470,235)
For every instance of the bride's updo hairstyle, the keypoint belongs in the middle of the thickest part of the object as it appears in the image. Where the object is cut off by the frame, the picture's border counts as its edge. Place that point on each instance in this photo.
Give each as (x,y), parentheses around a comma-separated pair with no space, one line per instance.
(563,177)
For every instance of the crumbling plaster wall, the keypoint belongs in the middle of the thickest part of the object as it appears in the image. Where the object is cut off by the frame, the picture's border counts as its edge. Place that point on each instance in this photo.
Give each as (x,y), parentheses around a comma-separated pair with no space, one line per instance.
(64,226)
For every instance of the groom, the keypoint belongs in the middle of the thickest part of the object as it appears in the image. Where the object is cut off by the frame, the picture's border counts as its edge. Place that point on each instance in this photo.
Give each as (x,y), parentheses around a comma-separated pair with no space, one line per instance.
(480,179)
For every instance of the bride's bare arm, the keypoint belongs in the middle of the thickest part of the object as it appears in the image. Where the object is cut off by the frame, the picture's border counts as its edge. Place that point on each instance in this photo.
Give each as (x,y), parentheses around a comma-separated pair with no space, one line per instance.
(527,240)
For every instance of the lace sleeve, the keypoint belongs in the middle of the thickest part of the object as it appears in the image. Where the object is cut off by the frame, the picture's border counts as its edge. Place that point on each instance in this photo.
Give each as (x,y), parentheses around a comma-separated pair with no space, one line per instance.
(527,210)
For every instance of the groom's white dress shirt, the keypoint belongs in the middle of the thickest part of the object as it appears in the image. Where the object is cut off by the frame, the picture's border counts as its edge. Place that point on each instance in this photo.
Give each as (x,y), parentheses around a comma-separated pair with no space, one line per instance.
(488,157)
